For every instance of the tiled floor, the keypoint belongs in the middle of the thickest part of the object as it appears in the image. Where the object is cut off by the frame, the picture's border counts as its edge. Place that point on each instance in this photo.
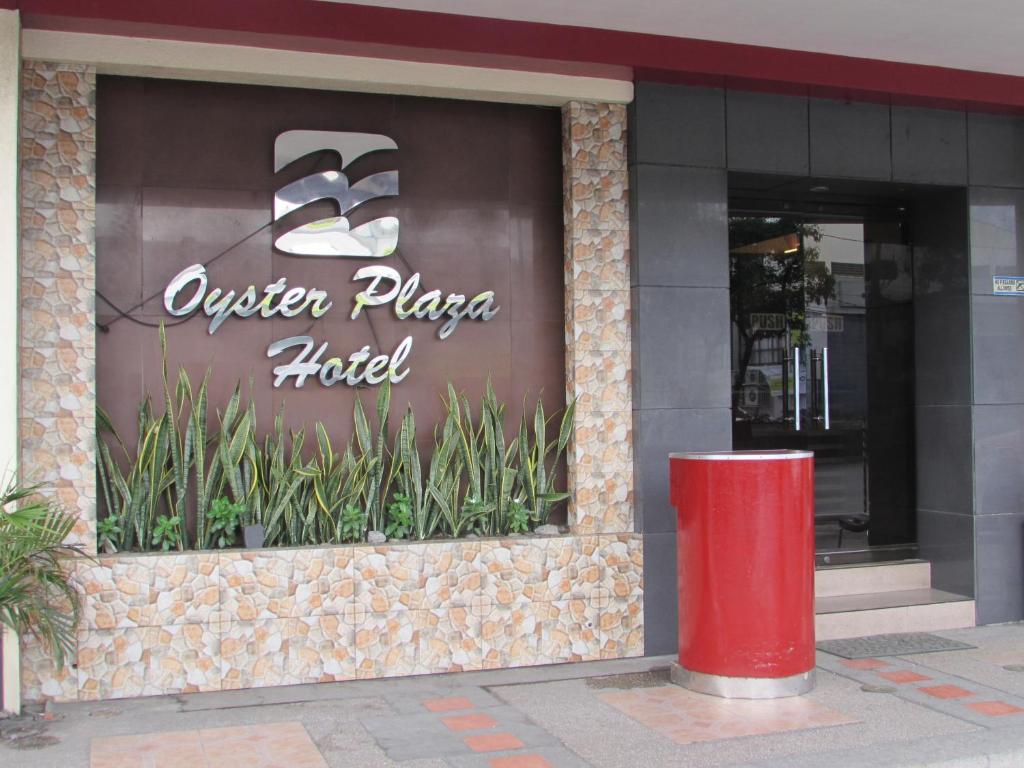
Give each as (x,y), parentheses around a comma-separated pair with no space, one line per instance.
(686,717)
(952,695)
(275,745)
(476,731)
(460,729)
(630,717)
(474,727)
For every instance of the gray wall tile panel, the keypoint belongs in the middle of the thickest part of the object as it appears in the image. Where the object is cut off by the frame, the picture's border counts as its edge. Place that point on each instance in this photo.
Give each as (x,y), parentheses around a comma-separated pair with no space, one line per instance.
(942,350)
(995,150)
(661,589)
(850,140)
(997,235)
(944,458)
(659,433)
(678,125)
(998,459)
(998,349)
(680,306)
(939,233)
(947,542)
(680,216)
(929,146)
(682,335)
(1000,568)
(766,133)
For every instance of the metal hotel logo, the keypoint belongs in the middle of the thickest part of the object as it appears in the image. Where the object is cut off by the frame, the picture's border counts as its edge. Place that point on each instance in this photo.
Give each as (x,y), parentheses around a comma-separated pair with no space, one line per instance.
(334,236)
(189,291)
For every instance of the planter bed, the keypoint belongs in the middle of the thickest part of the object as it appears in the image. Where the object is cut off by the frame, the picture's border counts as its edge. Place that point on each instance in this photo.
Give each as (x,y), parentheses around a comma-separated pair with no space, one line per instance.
(215,620)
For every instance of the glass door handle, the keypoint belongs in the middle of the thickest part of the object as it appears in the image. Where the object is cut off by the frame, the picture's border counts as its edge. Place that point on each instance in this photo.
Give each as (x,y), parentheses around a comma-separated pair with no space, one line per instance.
(785,388)
(813,391)
(824,379)
(796,388)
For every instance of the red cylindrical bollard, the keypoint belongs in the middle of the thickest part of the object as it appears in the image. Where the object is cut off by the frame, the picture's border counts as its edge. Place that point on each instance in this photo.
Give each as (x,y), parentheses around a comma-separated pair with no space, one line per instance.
(745,549)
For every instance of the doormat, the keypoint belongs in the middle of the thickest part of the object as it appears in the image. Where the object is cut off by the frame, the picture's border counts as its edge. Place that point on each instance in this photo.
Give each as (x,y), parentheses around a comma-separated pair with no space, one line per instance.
(651,679)
(902,644)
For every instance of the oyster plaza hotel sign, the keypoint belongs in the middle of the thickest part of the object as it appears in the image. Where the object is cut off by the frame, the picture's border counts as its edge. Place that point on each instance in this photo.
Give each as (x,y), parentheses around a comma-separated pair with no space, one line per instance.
(331,238)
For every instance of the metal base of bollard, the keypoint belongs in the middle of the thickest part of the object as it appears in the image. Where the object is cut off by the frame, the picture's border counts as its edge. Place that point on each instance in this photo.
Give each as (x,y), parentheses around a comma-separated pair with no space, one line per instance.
(743,687)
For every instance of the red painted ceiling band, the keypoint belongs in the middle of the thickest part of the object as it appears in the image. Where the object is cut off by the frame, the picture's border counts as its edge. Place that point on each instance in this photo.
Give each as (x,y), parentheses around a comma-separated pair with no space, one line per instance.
(320,26)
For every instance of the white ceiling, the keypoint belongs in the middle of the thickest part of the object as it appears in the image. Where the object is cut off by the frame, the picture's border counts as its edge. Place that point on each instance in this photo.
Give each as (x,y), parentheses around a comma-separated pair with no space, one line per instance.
(983,35)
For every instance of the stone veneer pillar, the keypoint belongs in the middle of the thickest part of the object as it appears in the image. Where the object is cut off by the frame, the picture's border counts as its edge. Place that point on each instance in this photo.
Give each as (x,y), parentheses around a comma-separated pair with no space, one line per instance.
(58,286)
(57,344)
(598,365)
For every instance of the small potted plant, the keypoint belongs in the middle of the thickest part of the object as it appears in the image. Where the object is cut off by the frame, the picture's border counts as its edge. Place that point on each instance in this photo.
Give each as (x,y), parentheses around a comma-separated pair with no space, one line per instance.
(223,520)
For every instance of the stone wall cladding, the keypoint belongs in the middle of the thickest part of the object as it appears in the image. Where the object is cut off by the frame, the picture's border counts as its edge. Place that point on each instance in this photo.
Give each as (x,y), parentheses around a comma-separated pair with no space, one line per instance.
(57,324)
(208,621)
(58,286)
(205,621)
(598,364)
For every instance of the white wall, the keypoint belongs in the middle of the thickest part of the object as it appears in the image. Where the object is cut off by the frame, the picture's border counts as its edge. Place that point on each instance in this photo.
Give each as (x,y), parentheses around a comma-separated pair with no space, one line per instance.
(10,65)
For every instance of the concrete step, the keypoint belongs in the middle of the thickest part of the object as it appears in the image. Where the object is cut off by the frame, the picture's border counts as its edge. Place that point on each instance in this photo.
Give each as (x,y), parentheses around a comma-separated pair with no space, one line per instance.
(911,610)
(872,578)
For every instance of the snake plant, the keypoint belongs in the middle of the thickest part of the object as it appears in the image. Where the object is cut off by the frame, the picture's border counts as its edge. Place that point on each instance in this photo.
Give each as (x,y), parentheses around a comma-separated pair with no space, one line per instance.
(476,479)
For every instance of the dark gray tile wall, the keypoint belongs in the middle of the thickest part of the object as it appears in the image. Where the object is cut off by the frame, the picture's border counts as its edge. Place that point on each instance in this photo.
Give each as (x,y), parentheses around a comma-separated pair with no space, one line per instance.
(998,329)
(996,173)
(929,146)
(944,454)
(942,382)
(947,542)
(657,433)
(676,125)
(661,606)
(684,355)
(995,150)
(942,349)
(969,353)
(681,226)
(997,223)
(850,140)
(680,306)
(1000,567)
(758,120)
(999,459)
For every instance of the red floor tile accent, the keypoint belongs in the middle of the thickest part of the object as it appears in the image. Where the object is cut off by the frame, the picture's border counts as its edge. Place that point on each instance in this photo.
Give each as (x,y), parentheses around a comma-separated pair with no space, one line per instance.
(520,761)
(903,676)
(448,705)
(863,663)
(946,691)
(492,742)
(469,722)
(995,708)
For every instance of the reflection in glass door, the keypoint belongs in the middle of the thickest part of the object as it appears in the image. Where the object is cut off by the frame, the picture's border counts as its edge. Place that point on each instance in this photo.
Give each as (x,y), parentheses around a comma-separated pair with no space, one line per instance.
(822,360)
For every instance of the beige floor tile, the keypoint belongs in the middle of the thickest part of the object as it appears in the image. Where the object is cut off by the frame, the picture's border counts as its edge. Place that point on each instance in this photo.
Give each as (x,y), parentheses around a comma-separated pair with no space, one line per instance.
(170,749)
(686,717)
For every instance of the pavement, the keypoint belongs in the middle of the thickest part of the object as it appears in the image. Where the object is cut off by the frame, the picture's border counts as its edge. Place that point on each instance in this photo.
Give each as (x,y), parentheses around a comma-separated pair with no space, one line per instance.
(955,709)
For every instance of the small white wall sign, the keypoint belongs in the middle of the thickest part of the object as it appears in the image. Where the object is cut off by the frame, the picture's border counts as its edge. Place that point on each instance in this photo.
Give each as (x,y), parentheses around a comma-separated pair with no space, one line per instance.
(1007,286)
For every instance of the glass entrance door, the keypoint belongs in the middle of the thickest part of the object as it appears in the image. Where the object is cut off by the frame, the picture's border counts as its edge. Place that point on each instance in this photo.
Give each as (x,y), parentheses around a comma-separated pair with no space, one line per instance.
(822,360)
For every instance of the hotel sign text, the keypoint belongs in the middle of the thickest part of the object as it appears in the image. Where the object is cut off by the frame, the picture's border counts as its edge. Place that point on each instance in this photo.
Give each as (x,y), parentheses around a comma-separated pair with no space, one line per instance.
(189,290)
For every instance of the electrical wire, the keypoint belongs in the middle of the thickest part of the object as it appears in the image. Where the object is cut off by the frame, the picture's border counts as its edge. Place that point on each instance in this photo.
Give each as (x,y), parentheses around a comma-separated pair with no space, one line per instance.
(125,314)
